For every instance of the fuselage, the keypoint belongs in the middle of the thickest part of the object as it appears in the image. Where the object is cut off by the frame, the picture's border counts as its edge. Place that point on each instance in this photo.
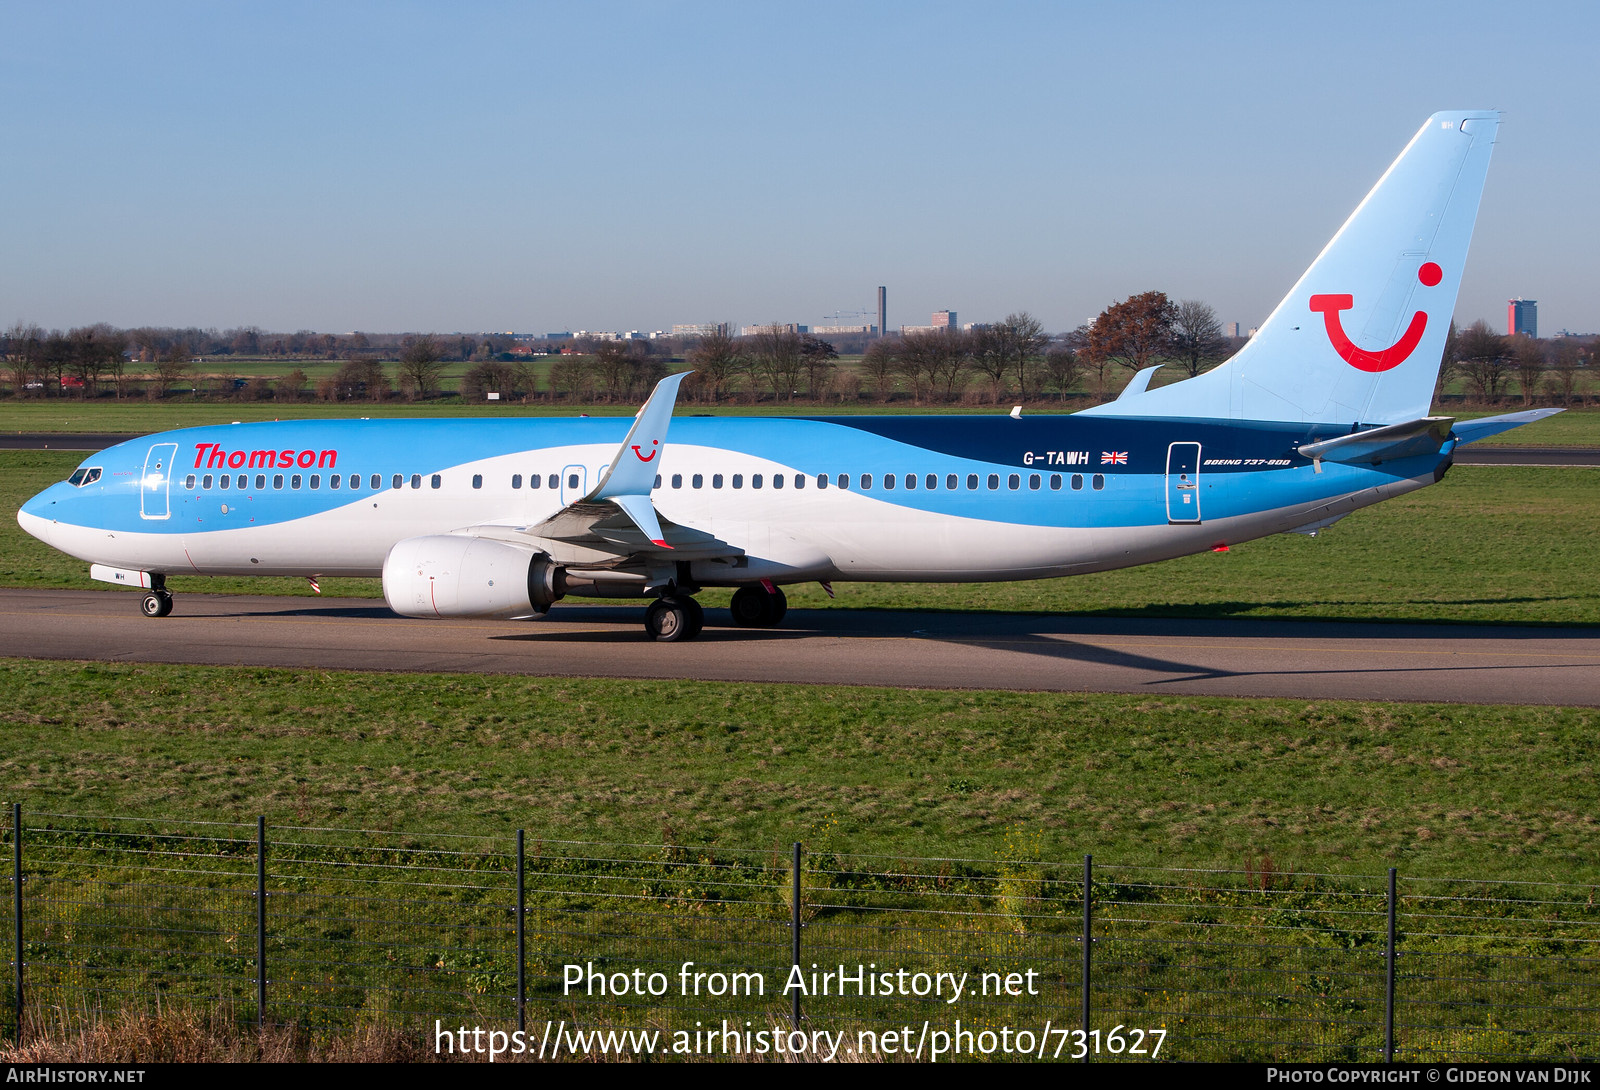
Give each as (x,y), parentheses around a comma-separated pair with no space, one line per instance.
(942,498)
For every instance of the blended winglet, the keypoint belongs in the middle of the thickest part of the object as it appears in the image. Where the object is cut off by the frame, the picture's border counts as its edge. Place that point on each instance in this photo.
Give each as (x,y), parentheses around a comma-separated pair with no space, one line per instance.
(633,469)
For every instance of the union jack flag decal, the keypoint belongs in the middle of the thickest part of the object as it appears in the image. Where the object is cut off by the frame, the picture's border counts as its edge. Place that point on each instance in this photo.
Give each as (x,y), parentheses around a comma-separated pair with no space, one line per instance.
(1113,457)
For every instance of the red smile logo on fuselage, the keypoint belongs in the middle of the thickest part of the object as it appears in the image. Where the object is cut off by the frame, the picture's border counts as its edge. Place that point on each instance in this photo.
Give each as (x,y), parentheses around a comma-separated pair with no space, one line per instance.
(1330,306)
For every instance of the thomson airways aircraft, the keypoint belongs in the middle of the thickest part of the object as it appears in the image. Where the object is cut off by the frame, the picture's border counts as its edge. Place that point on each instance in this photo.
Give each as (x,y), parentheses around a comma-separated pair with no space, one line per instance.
(1323,412)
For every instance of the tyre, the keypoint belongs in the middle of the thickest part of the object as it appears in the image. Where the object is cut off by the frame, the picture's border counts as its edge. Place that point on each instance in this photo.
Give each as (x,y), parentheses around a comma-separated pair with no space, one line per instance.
(753,607)
(158,603)
(671,620)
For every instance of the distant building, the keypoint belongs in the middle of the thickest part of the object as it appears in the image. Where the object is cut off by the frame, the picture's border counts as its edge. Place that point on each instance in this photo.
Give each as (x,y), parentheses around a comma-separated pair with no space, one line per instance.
(1231,329)
(700,329)
(1522,316)
(772,327)
(839,330)
(945,319)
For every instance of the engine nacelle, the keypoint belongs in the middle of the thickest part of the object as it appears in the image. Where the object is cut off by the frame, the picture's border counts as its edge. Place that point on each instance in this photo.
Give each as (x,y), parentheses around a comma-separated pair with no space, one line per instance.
(452,575)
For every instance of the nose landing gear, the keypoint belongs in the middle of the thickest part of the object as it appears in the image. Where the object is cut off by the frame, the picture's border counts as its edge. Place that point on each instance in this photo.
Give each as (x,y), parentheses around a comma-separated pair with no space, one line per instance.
(158,602)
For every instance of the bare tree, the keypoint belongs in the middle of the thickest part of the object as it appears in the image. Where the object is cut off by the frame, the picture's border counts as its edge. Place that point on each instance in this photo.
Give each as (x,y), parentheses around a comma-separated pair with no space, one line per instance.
(1528,355)
(421,366)
(1063,370)
(1485,359)
(987,356)
(1197,340)
(818,359)
(171,366)
(777,357)
(1022,342)
(1564,365)
(717,359)
(880,364)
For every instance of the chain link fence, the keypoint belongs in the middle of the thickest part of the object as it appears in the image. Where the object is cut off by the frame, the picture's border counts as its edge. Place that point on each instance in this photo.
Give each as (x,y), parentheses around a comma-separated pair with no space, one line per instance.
(334,929)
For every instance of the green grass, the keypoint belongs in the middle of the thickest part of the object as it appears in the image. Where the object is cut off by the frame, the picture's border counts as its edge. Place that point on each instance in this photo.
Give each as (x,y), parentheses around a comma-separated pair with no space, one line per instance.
(1437,790)
(1490,544)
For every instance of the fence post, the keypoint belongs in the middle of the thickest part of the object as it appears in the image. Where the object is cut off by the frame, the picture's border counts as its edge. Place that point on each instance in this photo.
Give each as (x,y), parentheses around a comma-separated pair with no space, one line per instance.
(522,959)
(1088,940)
(794,930)
(261,922)
(16,909)
(1388,1002)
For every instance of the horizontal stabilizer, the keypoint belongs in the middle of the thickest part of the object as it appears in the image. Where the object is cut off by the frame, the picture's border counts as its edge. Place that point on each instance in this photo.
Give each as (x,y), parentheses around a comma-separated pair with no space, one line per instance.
(1425,436)
(1140,382)
(1470,431)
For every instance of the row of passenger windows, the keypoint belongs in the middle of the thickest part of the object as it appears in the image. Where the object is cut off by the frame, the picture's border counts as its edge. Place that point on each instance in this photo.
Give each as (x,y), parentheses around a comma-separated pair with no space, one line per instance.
(888,481)
(296,480)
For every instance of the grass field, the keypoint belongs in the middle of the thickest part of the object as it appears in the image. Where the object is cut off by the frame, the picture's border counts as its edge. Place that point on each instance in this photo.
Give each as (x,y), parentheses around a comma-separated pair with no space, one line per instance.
(1324,786)
(1490,544)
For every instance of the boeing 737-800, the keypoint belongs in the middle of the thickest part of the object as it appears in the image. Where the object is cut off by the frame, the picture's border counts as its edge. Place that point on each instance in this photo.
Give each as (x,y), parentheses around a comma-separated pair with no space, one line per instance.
(1324,411)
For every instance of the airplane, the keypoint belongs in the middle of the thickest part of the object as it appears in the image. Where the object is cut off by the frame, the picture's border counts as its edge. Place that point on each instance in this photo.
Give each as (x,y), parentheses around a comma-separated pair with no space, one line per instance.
(1323,412)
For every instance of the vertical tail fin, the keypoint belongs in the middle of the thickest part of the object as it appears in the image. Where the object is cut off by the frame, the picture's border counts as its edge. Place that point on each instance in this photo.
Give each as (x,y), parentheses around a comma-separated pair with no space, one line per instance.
(1359,338)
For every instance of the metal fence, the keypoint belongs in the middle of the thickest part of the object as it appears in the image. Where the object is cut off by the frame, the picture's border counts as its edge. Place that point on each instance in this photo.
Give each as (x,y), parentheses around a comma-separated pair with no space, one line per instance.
(326,929)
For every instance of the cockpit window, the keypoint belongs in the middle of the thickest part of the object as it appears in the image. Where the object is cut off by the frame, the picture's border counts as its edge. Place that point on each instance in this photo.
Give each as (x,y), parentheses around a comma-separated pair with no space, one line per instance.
(84,475)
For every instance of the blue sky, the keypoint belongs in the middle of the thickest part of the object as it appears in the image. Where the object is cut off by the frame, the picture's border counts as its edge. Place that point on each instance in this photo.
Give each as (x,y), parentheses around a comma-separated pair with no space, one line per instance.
(395,166)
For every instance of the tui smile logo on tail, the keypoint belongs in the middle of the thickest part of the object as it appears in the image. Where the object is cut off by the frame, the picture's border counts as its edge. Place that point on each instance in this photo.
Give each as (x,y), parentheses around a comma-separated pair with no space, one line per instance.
(642,456)
(1331,305)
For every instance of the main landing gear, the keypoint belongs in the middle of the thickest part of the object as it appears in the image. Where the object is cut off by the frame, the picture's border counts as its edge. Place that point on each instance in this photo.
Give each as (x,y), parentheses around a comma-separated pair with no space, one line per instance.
(761,606)
(157,603)
(674,617)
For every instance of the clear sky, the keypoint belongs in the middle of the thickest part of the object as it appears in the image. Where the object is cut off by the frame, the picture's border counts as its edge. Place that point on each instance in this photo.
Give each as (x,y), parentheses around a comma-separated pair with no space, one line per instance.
(536,167)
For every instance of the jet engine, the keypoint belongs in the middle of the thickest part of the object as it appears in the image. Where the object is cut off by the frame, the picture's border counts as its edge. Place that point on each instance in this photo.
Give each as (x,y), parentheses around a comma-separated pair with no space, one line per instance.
(453,575)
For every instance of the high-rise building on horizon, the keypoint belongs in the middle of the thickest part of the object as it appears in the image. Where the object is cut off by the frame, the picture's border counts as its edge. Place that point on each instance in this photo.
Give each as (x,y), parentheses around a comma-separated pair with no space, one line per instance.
(945,319)
(1522,316)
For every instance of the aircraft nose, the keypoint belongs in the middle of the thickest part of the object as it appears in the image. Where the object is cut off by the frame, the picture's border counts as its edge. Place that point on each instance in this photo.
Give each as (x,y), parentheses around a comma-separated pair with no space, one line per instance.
(36,515)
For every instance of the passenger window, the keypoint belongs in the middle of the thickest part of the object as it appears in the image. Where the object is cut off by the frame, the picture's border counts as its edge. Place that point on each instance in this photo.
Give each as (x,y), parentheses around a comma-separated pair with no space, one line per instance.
(777,480)
(1013,482)
(189,481)
(738,480)
(911,480)
(1055,482)
(1033,481)
(261,482)
(799,480)
(572,481)
(698,480)
(888,481)
(843,481)
(333,480)
(294,481)
(658,481)
(716,480)
(866,481)
(355,480)
(994,481)
(1099,481)
(1077,482)
(534,480)
(516,481)
(416,480)
(755,480)
(396,483)
(554,481)
(316,480)
(277,480)
(437,480)
(677,480)
(822,480)
(222,481)
(477,481)
(205,482)
(972,481)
